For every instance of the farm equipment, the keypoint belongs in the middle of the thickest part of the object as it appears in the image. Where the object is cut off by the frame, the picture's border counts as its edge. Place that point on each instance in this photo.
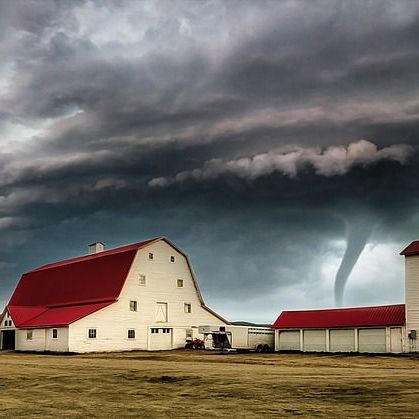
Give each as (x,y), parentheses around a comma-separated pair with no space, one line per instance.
(194,343)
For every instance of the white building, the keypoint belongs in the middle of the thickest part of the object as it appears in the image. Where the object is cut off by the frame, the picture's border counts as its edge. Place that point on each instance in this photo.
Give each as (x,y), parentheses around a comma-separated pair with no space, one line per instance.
(142,296)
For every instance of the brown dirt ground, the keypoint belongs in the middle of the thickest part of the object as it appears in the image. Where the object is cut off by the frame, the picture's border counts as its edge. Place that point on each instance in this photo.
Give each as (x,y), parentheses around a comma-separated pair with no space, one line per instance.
(207,384)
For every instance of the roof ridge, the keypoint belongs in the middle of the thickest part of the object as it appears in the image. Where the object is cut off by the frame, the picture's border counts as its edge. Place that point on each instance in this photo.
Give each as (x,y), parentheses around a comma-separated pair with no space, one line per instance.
(109,252)
(343,308)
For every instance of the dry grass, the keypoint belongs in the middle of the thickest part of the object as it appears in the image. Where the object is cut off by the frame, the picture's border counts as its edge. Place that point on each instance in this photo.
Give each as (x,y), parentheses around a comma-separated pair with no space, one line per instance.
(207,384)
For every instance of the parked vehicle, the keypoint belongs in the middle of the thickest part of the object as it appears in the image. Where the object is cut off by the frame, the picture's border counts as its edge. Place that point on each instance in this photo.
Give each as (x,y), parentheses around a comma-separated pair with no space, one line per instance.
(194,343)
(249,338)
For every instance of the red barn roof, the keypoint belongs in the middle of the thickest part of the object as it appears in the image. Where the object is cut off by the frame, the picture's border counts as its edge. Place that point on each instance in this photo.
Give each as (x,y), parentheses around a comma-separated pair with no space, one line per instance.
(392,315)
(63,292)
(412,249)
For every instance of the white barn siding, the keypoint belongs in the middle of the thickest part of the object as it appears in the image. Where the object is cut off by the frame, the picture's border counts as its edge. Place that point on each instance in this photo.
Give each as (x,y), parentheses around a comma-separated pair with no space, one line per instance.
(412,299)
(161,275)
(42,340)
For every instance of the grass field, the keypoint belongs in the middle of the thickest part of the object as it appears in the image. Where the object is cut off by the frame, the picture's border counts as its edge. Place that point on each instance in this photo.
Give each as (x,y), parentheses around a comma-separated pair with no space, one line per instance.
(206,384)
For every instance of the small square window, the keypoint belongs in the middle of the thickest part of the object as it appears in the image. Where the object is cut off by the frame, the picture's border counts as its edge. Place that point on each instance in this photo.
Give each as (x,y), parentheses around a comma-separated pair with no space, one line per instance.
(133,305)
(141,280)
(172,258)
(187,308)
(150,256)
(189,333)
(29,335)
(92,333)
(154,330)
(55,333)
(179,283)
(131,334)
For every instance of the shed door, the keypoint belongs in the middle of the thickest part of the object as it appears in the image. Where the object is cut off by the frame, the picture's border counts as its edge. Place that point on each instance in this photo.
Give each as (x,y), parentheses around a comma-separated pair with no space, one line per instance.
(314,340)
(372,340)
(289,340)
(396,339)
(161,338)
(342,340)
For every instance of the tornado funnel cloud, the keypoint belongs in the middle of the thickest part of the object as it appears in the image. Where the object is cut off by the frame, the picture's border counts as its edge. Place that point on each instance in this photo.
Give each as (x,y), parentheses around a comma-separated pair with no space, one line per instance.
(358,234)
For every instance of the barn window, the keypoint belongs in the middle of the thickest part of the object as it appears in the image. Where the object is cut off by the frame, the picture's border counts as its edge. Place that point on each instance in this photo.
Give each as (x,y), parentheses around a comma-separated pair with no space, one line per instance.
(133,305)
(55,333)
(150,256)
(187,307)
(131,334)
(172,258)
(92,333)
(180,283)
(189,333)
(141,279)
(154,330)
(29,335)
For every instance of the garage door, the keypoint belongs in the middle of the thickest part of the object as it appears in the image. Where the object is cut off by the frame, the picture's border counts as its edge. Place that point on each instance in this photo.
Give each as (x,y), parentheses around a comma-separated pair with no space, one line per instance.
(342,340)
(160,339)
(314,340)
(289,341)
(372,340)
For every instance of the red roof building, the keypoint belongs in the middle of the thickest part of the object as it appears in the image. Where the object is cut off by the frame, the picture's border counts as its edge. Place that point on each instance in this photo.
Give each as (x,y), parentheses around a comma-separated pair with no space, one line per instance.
(141,296)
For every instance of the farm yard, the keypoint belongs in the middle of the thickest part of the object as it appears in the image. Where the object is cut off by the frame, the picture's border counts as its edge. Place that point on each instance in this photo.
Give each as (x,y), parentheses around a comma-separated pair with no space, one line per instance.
(207,384)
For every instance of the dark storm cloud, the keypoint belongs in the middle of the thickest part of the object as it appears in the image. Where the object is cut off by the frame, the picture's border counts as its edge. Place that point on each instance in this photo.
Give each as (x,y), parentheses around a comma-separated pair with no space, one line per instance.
(100,99)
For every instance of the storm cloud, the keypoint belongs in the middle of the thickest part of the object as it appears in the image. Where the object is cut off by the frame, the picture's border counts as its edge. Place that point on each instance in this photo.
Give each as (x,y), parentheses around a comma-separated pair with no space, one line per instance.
(259,136)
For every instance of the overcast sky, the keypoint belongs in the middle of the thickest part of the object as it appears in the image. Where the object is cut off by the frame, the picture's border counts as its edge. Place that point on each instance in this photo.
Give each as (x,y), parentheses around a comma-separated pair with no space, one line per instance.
(264,138)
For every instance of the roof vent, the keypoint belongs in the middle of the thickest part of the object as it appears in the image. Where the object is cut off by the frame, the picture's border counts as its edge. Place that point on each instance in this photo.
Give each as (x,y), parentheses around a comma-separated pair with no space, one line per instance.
(96,247)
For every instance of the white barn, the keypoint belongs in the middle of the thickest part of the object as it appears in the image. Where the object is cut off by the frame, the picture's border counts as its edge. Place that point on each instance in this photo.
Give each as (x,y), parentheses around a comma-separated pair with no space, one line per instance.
(143,296)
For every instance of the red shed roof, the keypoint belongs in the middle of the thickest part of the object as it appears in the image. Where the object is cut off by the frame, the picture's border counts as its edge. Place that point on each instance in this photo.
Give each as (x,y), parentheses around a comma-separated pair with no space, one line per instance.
(63,292)
(392,315)
(412,249)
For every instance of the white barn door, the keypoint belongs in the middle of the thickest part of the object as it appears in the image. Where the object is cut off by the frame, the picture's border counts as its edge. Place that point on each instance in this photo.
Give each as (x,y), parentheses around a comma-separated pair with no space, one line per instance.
(342,340)
(289,340)
(372,340)
(160,338)
(314,340)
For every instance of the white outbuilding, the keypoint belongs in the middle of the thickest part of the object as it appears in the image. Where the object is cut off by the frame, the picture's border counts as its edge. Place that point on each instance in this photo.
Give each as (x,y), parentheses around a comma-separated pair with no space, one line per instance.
(141,296)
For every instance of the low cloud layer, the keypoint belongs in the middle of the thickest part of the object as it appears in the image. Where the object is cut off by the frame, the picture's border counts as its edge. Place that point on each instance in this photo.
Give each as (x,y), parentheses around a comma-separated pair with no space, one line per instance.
(125,120)
(333,161)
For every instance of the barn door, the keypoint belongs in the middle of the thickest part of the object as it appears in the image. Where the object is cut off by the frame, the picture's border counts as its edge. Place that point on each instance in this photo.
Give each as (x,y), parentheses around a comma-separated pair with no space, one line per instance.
(8,339)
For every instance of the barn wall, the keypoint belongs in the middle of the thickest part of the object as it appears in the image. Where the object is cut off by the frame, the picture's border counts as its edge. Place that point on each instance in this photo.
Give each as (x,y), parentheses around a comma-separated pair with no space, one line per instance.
(412,300)
(112,323)
(372,339)
(42,340)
